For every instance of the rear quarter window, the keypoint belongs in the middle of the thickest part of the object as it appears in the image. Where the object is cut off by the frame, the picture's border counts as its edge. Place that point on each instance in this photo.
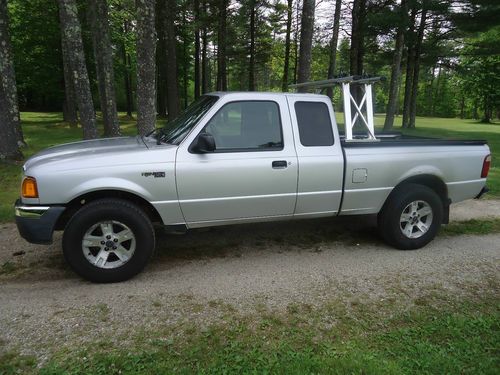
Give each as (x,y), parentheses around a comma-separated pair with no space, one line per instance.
(315,124)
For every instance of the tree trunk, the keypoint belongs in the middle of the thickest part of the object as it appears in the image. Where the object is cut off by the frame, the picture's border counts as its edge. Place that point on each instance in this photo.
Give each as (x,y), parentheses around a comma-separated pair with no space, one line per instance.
(185,65)
(433,103)
(98,14)
(161,62)
(296,42)
(205,66)
(306,35)
(173,103)
(286,67)
(251,65)
(221,46)
(11,138)
(146,73)
(416,69)
(127,77)
(72,36)
(462,106)
(395,72)
(429,106)
(410,62)
(204,58)
(333,45)
(197,49)
(488,111)
(70,113)
(356,52)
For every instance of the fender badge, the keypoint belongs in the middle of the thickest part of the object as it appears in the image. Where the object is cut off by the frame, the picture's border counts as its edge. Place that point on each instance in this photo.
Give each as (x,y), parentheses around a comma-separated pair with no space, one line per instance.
(154,174)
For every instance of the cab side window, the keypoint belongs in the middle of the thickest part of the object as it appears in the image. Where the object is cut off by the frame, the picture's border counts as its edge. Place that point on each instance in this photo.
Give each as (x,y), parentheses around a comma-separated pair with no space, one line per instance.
(315,124)
(247,125)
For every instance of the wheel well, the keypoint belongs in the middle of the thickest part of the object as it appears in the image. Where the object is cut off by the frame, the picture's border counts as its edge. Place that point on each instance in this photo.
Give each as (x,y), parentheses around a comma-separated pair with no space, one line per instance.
(432,182)
(81,200)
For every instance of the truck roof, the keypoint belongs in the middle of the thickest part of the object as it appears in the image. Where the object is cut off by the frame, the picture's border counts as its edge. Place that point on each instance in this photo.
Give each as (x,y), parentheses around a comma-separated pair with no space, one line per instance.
(261,93)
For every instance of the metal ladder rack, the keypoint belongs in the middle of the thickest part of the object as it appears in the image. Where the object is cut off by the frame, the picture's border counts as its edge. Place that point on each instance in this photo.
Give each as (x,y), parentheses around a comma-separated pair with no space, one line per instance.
(365,102)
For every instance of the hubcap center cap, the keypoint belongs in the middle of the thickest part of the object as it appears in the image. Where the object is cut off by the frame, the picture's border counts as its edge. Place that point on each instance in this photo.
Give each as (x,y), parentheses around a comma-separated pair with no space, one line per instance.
(110,243)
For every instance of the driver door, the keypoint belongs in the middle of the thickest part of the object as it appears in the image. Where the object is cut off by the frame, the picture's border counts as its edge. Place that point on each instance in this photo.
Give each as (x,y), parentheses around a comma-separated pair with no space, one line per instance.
(251,174)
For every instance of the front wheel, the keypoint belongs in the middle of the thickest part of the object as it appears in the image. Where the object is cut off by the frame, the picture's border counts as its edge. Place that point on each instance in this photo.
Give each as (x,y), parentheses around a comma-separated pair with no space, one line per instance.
(108,240)
(411,217)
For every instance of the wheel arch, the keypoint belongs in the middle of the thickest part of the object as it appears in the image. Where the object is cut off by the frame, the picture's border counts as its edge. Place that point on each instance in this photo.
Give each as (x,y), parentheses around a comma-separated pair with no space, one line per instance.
(434,183)
(76,203)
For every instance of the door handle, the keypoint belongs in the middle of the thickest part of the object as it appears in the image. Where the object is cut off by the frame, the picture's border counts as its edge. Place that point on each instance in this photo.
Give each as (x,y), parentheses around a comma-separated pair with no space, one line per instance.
(279,164)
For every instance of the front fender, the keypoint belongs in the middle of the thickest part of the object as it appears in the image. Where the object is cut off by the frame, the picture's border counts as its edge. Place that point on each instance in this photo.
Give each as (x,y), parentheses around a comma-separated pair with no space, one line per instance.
(109,183)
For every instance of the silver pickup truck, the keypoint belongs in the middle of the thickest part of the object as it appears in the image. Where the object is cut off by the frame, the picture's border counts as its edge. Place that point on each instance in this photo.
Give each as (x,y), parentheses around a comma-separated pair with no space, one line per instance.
(235,158)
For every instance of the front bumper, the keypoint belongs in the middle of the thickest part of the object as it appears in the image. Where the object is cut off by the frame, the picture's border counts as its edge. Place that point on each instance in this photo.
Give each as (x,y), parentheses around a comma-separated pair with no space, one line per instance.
(36,223)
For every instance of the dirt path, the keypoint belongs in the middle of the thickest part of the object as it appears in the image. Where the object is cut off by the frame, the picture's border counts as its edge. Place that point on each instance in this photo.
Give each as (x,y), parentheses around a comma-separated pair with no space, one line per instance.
(197,276)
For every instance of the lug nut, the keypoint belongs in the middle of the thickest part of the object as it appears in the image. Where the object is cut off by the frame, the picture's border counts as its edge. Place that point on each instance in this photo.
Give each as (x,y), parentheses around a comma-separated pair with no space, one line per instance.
(106,248)
(108,236)
(102,242)
(116,240)
(114,247)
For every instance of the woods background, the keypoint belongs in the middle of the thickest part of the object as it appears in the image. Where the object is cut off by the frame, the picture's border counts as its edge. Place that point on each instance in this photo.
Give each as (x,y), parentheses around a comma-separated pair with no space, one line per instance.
(152,58)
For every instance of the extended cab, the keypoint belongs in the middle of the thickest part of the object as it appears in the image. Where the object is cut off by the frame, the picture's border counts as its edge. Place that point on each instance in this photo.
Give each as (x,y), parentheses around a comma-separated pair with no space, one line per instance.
(237,158)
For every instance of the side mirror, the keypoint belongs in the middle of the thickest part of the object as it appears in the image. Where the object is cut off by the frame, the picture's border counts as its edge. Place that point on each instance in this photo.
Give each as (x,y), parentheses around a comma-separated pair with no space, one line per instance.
(203,143)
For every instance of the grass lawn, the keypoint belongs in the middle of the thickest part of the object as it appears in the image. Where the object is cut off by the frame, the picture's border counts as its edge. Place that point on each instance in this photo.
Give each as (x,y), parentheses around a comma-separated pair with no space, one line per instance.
(436,334)
(43,130)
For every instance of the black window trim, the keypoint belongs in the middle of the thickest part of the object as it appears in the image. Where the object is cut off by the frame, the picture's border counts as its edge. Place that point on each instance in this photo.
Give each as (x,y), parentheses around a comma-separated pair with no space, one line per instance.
(229,150)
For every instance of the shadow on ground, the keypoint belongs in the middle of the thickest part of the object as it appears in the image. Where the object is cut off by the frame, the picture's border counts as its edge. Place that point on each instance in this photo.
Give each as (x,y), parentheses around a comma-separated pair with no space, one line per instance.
(234,240)
(23,261)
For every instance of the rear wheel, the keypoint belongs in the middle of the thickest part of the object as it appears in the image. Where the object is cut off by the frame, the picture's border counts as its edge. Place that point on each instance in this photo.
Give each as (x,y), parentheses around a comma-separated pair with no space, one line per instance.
(108,240)
(411,217)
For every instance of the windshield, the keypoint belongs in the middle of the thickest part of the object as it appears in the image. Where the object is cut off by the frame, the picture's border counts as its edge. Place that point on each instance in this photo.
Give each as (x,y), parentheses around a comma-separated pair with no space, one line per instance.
(176,130)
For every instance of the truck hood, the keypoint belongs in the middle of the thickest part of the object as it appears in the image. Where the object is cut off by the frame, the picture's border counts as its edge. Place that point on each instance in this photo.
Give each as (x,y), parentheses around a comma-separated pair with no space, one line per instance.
(105,149)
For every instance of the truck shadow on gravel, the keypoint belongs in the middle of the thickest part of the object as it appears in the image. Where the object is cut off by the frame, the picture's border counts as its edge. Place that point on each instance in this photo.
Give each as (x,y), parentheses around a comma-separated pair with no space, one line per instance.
(280,237)
(28,262)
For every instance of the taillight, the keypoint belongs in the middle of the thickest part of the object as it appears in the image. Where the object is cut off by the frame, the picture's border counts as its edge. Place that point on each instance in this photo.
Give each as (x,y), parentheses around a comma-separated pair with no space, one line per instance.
(486,166)
(29,188)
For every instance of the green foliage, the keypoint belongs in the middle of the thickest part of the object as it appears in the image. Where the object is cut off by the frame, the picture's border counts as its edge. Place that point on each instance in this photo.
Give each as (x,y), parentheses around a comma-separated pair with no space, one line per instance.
(36,43)
(480,73)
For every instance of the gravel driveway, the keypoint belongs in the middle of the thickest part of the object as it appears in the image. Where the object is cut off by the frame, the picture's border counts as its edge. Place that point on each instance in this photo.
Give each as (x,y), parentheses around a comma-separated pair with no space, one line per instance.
(198,276)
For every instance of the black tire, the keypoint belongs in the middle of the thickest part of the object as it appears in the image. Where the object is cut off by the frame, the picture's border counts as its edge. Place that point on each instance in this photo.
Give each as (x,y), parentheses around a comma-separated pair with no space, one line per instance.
(109,210)
(389,219)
